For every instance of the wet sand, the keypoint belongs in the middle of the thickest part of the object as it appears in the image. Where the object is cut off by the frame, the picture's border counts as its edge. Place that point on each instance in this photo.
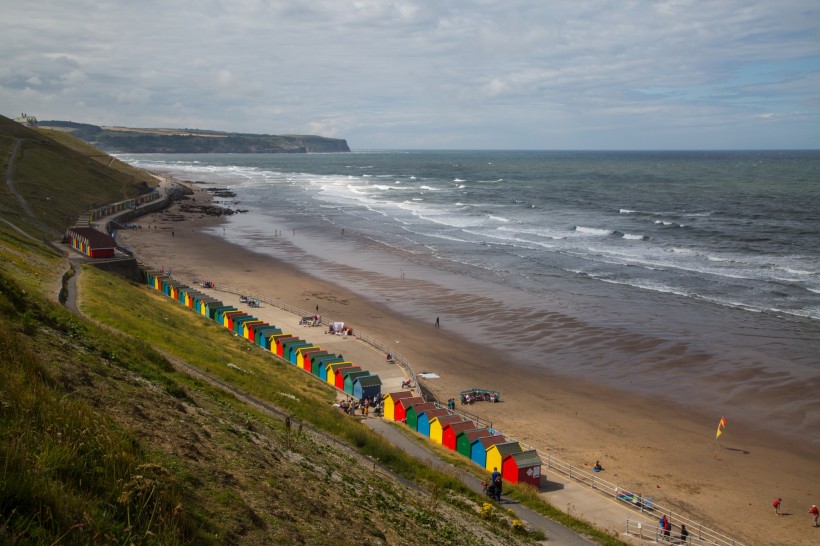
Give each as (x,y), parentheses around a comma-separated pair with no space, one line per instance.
(660,450)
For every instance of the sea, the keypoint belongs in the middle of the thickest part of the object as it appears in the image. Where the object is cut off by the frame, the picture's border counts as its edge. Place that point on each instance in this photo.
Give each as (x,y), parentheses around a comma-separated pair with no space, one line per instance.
(694,276)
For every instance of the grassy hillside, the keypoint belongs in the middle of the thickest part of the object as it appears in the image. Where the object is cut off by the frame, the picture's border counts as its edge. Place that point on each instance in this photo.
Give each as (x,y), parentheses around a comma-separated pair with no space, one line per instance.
(103,439)
(58,182)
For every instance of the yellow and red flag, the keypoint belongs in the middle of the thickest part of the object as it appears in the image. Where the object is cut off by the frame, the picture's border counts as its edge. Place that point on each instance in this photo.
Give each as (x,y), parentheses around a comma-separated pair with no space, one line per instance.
(721,426)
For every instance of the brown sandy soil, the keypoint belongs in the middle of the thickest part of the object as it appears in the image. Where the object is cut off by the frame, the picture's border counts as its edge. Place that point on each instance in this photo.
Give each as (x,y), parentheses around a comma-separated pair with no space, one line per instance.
(663,451)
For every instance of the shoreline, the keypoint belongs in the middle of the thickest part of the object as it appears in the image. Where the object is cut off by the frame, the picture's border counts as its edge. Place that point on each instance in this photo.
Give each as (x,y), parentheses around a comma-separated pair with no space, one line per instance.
(664,451)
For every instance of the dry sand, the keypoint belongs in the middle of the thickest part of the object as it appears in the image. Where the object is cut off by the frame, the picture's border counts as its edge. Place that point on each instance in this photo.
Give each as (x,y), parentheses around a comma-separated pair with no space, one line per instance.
(662,451)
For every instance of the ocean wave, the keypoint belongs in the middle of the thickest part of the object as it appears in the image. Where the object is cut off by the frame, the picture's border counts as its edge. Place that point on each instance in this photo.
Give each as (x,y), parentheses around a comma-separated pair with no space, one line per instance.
(635,237)
(458,180)
(594,231)
(498,218)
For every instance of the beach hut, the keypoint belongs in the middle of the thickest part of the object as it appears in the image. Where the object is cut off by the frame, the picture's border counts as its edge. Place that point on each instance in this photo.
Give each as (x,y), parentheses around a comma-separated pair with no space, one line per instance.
(323,363)
(240,322)
(437,425)
(367,387)
(227,318)
(497,452)
(424,418)
(413,411)
(478,449)
(293,350)
(522,467)
(247,328)
(331,370)
(311,357)
(303,358)
(339,380)
(400,409)
(217,313)
(91,242)
(280,344)
(390,400)
(451,431)
(271,342)
(464,440)
(256,332)
(350,379)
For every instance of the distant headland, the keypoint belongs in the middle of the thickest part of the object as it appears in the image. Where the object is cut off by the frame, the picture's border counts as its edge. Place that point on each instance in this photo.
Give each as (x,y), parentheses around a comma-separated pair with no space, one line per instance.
(194,141)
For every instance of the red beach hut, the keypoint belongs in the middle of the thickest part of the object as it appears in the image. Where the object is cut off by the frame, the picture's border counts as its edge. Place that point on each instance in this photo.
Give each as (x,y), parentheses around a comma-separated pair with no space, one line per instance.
(451,431)
(400,409)
(523,467)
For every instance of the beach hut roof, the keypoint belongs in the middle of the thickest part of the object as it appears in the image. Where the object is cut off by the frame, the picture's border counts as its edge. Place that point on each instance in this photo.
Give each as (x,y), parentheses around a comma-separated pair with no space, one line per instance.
(460,426)
(508,448)
(349,369)
(396,395)
(524,459)
(369,380)
(435,412)
(408,402)
(446,419)
(419,407)
(475,433)
(488,441)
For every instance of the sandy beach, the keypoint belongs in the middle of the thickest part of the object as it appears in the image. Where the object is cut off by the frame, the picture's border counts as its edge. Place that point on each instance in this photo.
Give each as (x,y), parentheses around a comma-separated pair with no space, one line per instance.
(662,451)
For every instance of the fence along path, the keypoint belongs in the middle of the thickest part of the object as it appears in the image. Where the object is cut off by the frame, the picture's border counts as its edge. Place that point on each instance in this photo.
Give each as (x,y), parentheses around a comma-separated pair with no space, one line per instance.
(699,534)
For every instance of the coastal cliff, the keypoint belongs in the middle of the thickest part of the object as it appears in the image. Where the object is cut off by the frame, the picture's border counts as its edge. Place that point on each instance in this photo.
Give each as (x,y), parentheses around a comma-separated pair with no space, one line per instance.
(138,140)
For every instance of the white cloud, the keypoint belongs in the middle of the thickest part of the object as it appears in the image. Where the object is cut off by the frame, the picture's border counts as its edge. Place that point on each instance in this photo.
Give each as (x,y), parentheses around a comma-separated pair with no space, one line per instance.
(397,73)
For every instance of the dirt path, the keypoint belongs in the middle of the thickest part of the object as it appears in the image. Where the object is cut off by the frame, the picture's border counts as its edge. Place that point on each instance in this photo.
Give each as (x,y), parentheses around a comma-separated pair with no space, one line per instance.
(10,179)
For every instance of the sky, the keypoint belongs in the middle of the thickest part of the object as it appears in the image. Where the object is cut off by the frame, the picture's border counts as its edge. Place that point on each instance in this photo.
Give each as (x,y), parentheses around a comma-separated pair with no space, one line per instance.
(411,74)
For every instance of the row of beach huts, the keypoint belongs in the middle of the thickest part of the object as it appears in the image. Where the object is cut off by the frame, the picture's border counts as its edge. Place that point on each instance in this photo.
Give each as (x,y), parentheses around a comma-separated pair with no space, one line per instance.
(484,446)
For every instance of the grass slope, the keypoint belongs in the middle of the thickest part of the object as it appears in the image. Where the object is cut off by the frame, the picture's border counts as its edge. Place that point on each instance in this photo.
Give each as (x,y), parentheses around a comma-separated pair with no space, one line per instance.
(103,440)
(59,182)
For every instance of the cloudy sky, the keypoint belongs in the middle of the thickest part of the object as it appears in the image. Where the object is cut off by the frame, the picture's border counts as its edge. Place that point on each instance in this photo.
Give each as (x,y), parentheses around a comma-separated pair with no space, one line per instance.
(481,74)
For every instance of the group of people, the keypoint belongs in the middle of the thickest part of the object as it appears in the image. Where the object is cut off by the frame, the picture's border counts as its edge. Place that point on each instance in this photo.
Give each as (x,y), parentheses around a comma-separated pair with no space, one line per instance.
(666,530)
(478,396)
(314,320)
(364,406)
(250,302)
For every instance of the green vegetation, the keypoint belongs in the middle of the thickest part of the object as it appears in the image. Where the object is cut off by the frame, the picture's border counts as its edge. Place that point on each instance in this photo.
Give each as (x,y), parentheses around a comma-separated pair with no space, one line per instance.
(59,183)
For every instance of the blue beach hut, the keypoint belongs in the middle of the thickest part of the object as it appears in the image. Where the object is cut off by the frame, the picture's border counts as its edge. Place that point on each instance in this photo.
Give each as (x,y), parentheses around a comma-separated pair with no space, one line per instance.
(369,386)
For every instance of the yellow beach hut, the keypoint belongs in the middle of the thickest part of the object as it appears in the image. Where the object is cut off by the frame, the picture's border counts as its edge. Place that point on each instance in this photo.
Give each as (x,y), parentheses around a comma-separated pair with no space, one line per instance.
(437,425)
(390,400)
(497,452)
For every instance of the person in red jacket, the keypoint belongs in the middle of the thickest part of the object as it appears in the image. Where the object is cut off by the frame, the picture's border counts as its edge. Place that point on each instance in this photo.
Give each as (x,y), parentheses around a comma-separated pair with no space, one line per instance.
(776,505)
(815,514)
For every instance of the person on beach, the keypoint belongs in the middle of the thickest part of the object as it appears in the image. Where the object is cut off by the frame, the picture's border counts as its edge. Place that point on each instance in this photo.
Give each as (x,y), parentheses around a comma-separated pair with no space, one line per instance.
(597,467)
(776,505)
(815,514)
(684,533)
(663,523)
(437,322)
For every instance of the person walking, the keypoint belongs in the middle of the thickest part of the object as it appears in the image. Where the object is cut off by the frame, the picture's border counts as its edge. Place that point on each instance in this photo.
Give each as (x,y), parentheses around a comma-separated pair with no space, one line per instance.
(437,322)
(684,534)
(776,505)
(815,514)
